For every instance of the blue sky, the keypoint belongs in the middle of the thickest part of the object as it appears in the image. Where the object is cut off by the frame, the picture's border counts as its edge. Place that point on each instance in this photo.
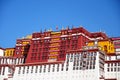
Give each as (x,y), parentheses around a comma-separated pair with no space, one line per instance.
(19,18)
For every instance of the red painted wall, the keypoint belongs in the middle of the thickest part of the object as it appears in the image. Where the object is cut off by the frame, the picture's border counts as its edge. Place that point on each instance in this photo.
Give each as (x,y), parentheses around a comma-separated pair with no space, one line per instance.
(39,50)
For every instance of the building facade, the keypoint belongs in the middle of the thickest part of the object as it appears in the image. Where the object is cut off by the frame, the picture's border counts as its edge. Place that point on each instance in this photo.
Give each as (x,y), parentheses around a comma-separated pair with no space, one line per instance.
(74,54)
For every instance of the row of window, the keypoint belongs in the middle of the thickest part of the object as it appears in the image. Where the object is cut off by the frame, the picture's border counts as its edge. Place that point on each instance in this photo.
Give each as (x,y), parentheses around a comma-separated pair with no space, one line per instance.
(81,56)
(113,64)
(115,69)
(11,61)
(40,69)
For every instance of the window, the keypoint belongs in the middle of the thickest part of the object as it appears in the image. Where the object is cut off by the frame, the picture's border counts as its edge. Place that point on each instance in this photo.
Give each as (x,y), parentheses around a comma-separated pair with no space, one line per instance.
(44,68)
(119,64)
(73,67)
(38,56)
(68,41)
(57,67)
(19,70)
(111,64)
(108,69)
(114,69)
(41,44)
(77,68)
(67,64)
(36,69)
(27,69)
(93,66)
(31,58)
(23,69)
(18,48)
(3,71)
(9,70)
(35,42)
(90,66)
(118,69)
(108,64)
(71,59)
(105,48)
(49,68)
(74,37)
(32,69)
(53,68)
(63,38)
(17,52)
(32,50)
(111,69)
(115,64)
(40,70)
(80,67)
(45,40)
(0,70)
(62,67)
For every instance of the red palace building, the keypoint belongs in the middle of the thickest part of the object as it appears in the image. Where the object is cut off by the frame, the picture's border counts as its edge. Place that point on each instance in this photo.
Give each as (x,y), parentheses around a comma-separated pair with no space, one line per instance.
(50,46)
(68,54)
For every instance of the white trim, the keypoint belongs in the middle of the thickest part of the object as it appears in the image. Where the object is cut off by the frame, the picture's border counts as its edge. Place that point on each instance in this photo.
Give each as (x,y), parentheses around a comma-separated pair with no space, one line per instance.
(74,34)
(47,37)
(18,44)
(64,36)
(35,38)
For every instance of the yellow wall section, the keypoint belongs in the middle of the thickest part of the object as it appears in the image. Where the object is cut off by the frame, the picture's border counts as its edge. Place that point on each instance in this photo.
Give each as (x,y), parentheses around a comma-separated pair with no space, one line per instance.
(54,43)
(54,48)
(56,33)
(25,42)
(56,39)
(105,45)
(53,52)
(9,52)
(53,57)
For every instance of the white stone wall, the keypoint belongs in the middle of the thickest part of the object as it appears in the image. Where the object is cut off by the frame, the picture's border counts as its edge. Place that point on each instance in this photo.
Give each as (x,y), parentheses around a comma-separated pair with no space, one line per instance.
(3,73)
(42,72)
(117,51)
(1,52)
(31,74)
